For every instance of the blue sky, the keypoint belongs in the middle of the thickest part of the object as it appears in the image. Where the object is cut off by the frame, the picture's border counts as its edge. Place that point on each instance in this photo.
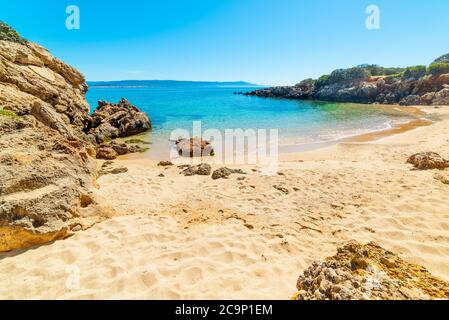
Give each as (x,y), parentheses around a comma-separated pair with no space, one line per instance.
(261,41)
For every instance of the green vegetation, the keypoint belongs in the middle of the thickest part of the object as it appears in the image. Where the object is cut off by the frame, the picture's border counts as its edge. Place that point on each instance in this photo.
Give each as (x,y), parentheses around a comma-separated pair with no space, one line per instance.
(439,68)
(360,72)
(9,34)
(376,70)
(415,72)
(7,113)
(442,59)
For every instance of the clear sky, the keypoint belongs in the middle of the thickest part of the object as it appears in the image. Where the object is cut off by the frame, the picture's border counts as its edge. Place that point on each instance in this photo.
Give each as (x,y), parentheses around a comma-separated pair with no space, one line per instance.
(260,41)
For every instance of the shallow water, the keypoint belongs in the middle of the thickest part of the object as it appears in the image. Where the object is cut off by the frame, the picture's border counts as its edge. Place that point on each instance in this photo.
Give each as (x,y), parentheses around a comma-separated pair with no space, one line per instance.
(298,122)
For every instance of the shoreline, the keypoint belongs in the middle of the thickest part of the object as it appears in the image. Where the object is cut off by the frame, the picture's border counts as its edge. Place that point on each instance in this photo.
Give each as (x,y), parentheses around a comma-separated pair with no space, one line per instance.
(420,112)
(178,237)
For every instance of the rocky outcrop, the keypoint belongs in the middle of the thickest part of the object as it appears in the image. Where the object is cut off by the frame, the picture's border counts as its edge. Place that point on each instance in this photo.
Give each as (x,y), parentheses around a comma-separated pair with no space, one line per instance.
(428,161)
(47,163)
(410,87)
(368,272)
(33,81)
(194,147)
(45,183)
(110,121)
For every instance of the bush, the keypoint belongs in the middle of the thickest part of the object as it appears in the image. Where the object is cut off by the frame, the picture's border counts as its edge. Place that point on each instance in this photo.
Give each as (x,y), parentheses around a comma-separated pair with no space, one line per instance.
(322,81)
(376,70)
(9,34)
(415,72)
(355,73)
(439,68)
(442,59)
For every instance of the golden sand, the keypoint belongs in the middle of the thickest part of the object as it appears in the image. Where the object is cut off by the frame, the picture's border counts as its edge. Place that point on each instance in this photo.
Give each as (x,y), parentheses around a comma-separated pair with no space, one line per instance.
(177,237)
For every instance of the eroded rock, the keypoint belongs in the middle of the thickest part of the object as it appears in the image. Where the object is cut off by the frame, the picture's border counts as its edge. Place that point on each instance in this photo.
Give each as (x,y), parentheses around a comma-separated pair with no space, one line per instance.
(110,121)
(368,272)
(203,169)
(45,180)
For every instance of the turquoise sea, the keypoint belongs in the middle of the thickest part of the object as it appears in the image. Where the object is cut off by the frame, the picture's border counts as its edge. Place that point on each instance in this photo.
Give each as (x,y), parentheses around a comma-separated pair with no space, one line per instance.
(302,124)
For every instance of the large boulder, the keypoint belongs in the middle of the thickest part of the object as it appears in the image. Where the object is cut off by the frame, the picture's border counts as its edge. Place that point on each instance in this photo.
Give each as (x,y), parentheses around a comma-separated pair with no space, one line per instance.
(110,121)
(45,183)
(368,272)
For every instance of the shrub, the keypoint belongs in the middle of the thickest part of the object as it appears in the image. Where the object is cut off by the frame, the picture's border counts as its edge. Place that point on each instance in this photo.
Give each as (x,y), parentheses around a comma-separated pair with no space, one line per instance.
(322,81)
(376,70)
(414,72)
(355,73)
(9,34)
(439,68)
(442,59)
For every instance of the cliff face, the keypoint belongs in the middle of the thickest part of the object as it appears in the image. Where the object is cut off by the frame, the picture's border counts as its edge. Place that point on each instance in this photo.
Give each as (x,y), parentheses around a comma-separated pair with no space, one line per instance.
(428,89)
(46,170)
(33,81)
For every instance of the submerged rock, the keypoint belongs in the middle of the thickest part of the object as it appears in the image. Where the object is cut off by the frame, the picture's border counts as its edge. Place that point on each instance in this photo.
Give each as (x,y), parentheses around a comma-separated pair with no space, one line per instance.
(428,161)
(368,272)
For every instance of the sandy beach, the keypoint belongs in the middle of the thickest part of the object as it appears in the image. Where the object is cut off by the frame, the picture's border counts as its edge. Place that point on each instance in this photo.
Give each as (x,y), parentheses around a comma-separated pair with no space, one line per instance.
(177,237)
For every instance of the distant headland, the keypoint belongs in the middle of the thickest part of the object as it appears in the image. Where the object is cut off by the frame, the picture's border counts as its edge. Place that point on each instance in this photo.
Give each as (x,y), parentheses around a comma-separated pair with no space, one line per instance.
(167,84)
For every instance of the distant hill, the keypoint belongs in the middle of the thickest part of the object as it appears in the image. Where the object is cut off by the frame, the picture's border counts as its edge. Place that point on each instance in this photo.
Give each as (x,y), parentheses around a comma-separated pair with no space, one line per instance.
(167,84)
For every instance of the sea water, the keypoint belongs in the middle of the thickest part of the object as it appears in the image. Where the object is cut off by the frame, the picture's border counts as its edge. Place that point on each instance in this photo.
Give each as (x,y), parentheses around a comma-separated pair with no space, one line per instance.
(299,123)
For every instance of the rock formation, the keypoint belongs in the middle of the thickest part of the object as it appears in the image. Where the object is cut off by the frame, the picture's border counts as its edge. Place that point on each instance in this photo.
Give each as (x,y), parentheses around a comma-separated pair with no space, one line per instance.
(372,84)
(110,121)
(368,272)
(47,166)
(45,183)
(194,147)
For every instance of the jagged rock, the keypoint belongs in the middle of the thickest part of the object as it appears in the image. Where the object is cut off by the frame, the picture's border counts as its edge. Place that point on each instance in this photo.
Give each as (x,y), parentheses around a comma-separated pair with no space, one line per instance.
(194,147)
(203,169)
(224,173)
(29,74)
(110,121)
(428,161)
(368,272)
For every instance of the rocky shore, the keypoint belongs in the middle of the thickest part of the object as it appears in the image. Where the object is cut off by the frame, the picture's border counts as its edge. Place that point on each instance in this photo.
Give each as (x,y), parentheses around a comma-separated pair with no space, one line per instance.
(419,85)
(48,144)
